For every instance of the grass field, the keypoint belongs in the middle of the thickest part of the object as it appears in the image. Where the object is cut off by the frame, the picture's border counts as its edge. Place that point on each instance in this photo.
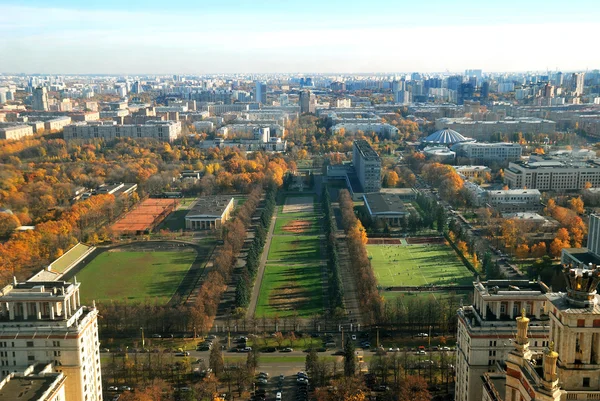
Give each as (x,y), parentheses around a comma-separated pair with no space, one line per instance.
(294,248)
(292,281)
(290,288)
(417,265)
(303,226)
(134,276)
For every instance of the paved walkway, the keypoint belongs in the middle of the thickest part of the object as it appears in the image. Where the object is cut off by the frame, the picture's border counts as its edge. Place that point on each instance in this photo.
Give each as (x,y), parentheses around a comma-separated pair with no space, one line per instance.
(261,268)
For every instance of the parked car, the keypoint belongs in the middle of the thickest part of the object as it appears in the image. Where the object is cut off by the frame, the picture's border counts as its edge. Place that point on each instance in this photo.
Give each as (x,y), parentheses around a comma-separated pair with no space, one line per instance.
(287,350)
(185,353)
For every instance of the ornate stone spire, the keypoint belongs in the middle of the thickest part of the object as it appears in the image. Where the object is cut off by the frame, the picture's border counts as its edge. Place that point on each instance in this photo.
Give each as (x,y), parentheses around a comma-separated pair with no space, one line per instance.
(582,285)
(550,371)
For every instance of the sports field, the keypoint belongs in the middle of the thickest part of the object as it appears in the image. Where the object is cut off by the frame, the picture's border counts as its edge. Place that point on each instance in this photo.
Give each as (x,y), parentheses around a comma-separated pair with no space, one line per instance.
(134,276)
(290,288)
(292,281)
(417,265)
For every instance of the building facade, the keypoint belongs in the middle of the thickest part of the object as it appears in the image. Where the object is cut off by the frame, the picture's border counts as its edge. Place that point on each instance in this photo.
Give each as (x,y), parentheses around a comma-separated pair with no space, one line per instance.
(569,368)
(261,93)
(500,152)
(308,102)
(15,131)
(553,175)
(44,322)
(209,213)
(40,99)
(515,200)
(367,165)
(486,329)
(166,131)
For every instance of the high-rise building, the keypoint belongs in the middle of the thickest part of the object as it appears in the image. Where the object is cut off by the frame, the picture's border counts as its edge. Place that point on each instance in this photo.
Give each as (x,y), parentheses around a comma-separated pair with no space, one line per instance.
(260,94)
(485,90)
(577,80)
(308,102)
(569,368)
(367,164)
(44,322)
(485,329)
(40,99)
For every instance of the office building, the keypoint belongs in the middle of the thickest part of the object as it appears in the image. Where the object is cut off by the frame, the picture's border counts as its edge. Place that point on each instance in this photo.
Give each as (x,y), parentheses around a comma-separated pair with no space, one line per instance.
(486,329)
(483,130)
(515,200)
(44,322)
(367,165)
(40,99)
(472,171)
(384,131)
(260,94)
(15,130)
(209,213)
(166,131)
(488,152)
(569,368)
(553,175)
(308,102)
(577,80)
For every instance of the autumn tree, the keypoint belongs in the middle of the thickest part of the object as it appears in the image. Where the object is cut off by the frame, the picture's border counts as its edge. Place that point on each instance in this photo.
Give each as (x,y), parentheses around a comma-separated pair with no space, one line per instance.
(576,205)
(414,388)
(8,223)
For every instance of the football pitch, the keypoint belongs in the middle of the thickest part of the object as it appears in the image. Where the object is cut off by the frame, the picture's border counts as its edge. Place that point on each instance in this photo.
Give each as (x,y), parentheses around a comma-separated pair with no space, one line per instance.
(134,276)
(417,265)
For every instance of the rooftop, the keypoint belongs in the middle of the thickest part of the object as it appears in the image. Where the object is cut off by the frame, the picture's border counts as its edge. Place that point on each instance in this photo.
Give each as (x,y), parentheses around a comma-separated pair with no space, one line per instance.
(209,206)
(30,387)
(445,136)
(366,150)
(384,203)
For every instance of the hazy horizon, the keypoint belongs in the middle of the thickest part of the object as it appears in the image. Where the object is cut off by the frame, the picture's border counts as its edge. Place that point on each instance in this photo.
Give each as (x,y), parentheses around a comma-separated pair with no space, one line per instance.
(266,37)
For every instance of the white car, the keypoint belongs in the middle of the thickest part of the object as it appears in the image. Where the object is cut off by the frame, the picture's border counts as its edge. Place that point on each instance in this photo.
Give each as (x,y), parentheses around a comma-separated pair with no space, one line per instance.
(278,395)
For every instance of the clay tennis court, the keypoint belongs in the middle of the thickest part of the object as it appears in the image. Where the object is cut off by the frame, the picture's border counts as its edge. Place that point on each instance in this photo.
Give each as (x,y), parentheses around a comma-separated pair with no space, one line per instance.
(145,217)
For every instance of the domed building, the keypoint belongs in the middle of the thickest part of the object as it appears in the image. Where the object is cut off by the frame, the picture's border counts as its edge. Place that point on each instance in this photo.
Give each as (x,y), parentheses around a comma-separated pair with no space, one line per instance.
(440,154)
(446,137)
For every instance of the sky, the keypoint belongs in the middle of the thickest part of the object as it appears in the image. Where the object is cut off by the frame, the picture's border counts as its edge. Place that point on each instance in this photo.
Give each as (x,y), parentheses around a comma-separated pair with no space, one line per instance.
(310,36)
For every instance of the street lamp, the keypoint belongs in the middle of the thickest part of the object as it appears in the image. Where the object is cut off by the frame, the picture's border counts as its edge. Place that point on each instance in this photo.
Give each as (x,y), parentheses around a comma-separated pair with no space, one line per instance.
(143,339)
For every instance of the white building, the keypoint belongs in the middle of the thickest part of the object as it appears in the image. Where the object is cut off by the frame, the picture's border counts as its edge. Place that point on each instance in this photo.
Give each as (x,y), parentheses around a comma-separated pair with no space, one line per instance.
(486,329)
(209,213)
(482,130)
(383,130)
(204,126)
(15,130)
(472,171)
(515,200)
(44,322)
(553,175)
(477,151)
(166,131)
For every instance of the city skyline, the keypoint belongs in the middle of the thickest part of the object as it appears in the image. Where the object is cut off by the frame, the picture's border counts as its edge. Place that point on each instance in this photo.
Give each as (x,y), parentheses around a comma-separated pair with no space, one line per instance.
(268,37)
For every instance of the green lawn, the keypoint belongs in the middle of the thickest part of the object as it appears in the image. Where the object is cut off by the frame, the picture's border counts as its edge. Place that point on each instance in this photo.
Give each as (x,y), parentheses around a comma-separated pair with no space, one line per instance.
(441,296)
(134,276)
(283,225)
(291,288)
(415,265)
(294,248)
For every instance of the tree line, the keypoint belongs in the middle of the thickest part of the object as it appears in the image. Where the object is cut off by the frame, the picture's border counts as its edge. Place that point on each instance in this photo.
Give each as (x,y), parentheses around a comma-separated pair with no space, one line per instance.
(370,301)
(336,291)
(245,283)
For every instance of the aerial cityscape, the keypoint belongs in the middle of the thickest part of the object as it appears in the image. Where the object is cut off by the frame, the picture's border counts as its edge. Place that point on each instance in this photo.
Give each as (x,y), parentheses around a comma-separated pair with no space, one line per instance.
(411,212)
